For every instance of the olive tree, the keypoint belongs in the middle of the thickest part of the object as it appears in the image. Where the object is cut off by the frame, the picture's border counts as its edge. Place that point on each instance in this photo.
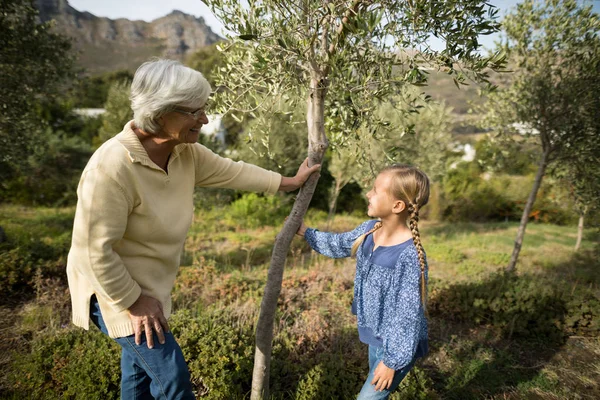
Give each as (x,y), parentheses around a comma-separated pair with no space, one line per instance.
(342,57)
(554,49)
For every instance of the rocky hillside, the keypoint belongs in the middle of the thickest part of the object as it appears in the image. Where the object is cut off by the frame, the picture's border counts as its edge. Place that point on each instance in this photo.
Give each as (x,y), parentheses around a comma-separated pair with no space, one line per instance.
(106,45)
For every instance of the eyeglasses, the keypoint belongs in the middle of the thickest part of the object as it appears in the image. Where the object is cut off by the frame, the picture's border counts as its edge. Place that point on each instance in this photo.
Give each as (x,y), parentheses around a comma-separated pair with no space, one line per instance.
(199,113)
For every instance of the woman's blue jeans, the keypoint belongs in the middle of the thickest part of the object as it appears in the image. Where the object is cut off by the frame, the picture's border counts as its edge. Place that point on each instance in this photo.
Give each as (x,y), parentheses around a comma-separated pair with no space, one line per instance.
(157,373)
(368,391)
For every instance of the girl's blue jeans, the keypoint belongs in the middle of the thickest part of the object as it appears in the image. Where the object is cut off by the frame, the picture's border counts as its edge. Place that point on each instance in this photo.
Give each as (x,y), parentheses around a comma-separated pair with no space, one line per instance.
(368,391)
(157,373)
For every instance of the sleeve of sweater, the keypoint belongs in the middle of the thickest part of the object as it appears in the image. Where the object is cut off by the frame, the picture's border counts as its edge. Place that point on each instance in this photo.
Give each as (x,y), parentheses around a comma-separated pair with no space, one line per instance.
(100,221)
(402,321)
(213,170)
(334,245)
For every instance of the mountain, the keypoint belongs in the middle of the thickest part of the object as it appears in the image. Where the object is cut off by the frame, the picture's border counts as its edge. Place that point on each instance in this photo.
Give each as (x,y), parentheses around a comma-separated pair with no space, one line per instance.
(105,44)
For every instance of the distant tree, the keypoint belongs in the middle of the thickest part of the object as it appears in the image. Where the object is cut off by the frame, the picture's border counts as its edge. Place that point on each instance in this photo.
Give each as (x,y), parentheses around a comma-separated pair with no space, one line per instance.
(344,168)
(92,91)
(118,112)
(422,137)
(506,156)
(343,58)
(49,175)
(582,179)
(34,63)
(208,60)
(554,48)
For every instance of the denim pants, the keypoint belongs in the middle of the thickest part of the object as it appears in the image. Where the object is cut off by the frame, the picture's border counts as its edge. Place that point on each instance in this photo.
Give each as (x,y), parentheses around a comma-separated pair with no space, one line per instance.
(157,373)
(368,391)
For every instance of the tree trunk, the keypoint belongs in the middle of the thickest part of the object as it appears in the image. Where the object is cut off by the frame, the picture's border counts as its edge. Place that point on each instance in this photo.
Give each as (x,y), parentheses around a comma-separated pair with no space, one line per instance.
(333,201)
(521,233)
(317,144)
(580,229)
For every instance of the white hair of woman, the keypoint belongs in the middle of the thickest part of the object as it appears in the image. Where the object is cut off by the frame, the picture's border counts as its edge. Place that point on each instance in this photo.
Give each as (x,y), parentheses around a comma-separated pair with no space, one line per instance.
(161,85)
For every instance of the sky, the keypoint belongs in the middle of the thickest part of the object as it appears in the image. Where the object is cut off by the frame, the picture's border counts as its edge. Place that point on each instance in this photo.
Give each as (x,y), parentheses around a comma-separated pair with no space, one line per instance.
(149,10)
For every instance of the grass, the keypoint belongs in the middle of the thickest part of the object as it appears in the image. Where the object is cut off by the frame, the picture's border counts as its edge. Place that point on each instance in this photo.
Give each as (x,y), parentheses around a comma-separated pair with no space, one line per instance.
(224,267)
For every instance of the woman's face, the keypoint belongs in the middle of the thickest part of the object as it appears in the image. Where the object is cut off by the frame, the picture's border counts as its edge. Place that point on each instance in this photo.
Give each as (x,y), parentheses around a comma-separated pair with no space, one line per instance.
(183,125)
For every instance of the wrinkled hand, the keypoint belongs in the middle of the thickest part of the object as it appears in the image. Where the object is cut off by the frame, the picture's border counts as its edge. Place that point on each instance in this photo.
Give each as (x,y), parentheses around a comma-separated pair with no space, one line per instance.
(146,314)
(304,172)
(382,377)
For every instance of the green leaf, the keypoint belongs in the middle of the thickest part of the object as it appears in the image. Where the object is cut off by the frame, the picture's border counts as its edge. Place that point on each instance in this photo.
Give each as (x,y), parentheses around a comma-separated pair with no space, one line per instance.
(248,36)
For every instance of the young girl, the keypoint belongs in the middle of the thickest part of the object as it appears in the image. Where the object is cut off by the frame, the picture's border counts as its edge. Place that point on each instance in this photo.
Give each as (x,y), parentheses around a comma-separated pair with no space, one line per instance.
(391,276)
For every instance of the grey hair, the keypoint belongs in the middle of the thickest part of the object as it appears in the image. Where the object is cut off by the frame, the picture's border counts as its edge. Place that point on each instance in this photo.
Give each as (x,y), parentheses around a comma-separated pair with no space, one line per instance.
(159,86)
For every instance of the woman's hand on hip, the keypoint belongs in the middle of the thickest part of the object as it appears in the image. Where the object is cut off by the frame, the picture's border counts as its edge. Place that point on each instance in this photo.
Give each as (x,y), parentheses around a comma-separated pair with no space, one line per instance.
(382,377)
(147,315)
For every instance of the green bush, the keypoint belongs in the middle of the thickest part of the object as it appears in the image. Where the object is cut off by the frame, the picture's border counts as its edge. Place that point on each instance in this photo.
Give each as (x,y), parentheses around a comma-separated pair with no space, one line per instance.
(219,353)
(68,364)
(51,173)
(18,266)
(468,197)
(253,211)
(524,306)
(467,194)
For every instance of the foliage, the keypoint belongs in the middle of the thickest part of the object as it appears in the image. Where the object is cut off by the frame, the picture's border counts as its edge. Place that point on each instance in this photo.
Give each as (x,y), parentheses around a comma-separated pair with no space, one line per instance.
(59,114)
(34,64)
(555,49)
(275,142)
(551,99)
(207,60)
(253,211)
(118,112)
(527,305)
(469,195)
(219,353)
(317,354)
(347,45)
(32,246)
(362,52)
(92,91)
(506,157)
(428,141)
(50,173)
(70,364)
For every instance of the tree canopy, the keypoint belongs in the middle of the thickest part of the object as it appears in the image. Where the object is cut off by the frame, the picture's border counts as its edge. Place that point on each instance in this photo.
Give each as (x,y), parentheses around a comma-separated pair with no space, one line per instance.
(34,62)
(551,97)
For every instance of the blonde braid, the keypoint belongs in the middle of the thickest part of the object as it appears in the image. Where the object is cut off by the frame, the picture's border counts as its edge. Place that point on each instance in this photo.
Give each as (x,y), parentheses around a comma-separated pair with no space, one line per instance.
(359,240)
(413,222)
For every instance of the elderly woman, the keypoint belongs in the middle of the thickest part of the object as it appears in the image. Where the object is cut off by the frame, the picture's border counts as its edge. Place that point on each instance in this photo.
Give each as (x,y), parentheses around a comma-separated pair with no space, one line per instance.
(133,212)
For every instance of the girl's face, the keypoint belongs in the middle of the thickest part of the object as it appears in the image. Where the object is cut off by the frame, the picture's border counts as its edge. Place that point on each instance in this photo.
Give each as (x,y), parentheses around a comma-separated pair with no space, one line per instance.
(381,203)
(183,127)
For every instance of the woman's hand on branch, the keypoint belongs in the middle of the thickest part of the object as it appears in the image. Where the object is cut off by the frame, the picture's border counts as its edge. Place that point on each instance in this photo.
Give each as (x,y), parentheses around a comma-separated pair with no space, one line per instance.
(304,172)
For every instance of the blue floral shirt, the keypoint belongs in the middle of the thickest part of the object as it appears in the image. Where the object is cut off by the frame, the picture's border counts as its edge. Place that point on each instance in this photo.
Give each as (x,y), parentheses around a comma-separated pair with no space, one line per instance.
(387,300)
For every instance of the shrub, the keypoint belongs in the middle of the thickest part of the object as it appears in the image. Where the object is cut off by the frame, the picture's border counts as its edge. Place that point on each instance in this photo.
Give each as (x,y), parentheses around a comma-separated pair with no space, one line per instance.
(68,364)
(253,211)
(52,172)
(527,306)
(18,267)
(218,351)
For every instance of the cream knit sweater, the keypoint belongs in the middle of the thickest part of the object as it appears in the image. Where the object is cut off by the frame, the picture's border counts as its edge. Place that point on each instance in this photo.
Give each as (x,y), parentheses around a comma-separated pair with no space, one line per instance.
(132,219)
